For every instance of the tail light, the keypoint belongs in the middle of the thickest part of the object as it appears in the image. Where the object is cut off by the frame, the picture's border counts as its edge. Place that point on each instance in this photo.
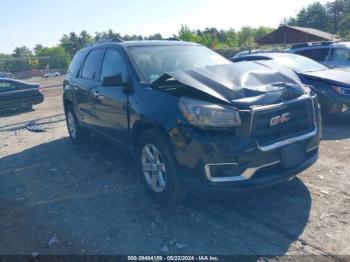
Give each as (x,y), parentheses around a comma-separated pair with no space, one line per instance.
(40,89)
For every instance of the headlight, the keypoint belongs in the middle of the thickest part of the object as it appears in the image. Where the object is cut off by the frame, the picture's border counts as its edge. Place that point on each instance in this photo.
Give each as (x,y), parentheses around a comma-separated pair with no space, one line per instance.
(206,114)
(341,90)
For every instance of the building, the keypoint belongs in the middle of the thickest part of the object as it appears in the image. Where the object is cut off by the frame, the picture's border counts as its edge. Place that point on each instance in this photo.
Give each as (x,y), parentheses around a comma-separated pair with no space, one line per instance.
(294,34)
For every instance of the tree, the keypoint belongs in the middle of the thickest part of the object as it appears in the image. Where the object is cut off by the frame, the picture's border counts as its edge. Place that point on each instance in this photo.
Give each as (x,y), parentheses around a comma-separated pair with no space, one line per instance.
(261,31)
(155,37)
(186,34)
(73,42)
(18,61)
(314,16)
(22,52)
(5,63)
(54,57)
(231,38)
(344,23)
(110,34)
(246,37)
(37,48)
(335,11)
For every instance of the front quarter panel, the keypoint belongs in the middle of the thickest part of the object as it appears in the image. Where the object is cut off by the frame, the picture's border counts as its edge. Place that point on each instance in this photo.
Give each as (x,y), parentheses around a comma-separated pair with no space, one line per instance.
(153,106)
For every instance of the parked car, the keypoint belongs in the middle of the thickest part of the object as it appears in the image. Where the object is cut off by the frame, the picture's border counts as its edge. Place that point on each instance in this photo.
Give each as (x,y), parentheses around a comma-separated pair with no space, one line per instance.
(331,54)
(193,120)
(316,51)
(17,95)
(5,75)
(339,55)
(254,51)
(52,74)
(331,84)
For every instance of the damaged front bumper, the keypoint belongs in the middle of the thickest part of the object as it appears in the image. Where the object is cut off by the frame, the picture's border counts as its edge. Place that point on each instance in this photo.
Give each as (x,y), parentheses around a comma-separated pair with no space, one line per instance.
(218,160)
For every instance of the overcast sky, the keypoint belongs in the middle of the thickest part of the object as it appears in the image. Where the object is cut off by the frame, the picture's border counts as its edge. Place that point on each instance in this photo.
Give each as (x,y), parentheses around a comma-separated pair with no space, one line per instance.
(31,22)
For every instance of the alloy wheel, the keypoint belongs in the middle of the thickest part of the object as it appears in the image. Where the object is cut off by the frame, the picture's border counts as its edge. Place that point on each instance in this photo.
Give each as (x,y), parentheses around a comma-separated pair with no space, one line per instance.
(153,167)
(71,125)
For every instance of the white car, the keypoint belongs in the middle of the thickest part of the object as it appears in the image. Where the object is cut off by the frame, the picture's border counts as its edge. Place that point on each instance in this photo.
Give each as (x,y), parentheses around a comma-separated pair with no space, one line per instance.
(52,74)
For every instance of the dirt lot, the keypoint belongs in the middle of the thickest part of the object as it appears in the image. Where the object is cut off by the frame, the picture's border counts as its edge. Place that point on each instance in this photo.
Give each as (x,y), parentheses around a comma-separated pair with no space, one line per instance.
(56,198)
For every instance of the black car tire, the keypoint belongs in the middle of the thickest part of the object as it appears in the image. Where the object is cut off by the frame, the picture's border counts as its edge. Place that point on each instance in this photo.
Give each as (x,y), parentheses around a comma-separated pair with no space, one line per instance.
(78,135)
(174,192)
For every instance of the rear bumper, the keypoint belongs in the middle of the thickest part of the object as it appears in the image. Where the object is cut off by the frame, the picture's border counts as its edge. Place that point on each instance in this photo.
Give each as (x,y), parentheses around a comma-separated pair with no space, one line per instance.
(14,102)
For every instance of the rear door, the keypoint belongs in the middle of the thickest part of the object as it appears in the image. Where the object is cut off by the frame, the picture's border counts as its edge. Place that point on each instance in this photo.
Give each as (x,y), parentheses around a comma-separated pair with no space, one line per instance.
(87,80)
(7,95)
(111,102)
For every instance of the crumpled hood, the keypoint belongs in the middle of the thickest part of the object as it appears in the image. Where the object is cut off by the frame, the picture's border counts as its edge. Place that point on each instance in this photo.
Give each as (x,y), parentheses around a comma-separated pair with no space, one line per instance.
(242,84)
(332,76)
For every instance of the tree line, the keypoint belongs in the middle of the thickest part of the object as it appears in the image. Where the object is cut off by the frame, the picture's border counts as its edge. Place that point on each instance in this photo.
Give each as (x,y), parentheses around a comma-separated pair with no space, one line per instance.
(332,17)
(59,57)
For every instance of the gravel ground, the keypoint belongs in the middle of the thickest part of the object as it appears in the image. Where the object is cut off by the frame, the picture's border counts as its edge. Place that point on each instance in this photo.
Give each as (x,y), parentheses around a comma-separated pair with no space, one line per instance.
(56,198)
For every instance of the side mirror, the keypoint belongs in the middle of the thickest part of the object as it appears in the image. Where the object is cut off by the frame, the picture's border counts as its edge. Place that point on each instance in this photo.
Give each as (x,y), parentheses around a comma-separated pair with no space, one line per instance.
(116,80)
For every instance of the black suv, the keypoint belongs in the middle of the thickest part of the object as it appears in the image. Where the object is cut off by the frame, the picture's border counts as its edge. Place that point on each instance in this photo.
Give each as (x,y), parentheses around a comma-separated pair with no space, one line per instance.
(315,51)
(193,120)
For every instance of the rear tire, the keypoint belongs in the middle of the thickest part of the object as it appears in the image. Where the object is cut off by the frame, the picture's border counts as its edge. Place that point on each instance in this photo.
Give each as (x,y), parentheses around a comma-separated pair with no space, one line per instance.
(76,133)
(157,169)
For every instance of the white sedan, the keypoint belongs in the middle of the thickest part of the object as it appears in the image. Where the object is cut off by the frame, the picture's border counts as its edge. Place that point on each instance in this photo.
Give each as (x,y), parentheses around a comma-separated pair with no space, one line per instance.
(52,74)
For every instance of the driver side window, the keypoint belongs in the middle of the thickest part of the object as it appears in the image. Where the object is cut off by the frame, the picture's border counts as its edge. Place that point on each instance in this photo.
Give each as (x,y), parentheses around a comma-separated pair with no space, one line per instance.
(113,64)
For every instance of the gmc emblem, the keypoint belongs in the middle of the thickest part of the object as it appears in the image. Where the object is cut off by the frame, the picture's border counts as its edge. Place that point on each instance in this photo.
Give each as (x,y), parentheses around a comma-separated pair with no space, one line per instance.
(275,121)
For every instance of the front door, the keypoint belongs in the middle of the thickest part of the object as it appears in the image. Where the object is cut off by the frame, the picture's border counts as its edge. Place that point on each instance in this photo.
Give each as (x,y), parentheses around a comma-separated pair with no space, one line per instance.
(111,102)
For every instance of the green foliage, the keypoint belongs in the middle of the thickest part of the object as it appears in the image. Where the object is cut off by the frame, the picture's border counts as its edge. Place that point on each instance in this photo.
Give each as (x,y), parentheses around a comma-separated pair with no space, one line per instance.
(53,57)
(73,42)
(314,16)
(213,38)
(333,17)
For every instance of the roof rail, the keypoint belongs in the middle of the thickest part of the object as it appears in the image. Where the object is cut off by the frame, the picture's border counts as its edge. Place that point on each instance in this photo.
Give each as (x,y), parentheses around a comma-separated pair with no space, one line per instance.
(309,44)
(173,39)
(294,46)
(106,40)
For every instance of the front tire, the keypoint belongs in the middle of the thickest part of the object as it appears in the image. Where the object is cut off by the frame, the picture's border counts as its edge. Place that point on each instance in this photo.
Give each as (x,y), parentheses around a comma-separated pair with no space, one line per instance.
(158,171)
(76,133)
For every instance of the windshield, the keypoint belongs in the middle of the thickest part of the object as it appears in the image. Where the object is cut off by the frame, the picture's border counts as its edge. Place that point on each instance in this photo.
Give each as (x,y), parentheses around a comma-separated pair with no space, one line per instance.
(300,64)
(339,56)
(153,61)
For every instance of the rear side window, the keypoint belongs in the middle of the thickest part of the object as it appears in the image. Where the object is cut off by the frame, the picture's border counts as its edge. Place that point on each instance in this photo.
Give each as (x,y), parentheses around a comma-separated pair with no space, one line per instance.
(113,65)
(315,54)
(92,64)
(6,86)
(76,63)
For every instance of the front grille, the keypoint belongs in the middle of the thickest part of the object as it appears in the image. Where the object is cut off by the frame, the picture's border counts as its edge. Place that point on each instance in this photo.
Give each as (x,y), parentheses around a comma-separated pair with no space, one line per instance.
(301,121)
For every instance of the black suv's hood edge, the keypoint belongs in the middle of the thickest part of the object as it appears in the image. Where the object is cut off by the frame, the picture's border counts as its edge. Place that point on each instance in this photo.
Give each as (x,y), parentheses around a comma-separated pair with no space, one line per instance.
(242,85)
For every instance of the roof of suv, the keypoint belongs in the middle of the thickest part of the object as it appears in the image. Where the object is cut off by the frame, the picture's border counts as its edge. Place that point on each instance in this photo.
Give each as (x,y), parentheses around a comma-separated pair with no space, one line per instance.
(155,43)
(144,43)
(341,44)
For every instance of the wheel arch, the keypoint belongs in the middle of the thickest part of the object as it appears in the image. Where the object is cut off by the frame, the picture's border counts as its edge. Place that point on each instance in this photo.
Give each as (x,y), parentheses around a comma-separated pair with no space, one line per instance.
(142,126)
